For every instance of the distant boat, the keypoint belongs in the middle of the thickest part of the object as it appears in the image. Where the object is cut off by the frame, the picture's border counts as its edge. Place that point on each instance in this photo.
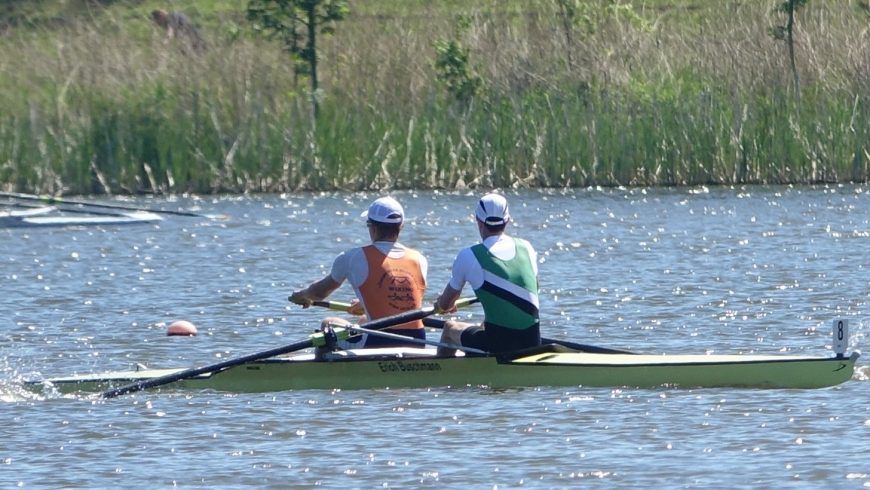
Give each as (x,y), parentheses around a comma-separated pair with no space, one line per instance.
(51,216)
(18,213)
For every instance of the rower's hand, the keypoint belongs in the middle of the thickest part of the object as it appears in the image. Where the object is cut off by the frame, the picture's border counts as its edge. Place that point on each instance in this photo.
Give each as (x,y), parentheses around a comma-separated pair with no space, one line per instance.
(439,310)
(301,298)
(356,308)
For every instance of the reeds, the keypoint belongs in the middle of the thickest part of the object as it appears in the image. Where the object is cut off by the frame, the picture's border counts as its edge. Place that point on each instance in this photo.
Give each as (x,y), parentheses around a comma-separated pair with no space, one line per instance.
(670,96)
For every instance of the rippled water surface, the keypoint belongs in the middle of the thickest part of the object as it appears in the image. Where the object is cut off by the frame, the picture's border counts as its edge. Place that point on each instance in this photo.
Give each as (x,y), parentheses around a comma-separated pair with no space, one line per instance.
(762,270)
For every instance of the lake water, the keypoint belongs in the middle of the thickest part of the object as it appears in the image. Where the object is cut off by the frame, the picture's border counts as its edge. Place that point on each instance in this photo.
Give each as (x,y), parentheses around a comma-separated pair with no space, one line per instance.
(752,270)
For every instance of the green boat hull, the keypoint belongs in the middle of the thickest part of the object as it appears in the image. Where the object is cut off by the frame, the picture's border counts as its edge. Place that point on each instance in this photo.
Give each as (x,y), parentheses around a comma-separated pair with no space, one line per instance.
(418,368)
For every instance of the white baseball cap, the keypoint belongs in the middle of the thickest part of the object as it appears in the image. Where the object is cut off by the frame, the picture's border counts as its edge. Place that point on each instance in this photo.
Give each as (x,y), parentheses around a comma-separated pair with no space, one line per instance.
(492,210)
(385,210)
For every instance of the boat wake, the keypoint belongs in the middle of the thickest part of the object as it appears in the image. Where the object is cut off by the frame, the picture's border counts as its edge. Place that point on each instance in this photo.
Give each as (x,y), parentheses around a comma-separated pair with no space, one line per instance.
(862,374)
(14,392)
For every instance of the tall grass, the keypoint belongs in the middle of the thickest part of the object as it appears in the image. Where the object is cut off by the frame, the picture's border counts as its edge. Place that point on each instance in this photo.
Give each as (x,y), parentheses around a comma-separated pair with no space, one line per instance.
(666,96)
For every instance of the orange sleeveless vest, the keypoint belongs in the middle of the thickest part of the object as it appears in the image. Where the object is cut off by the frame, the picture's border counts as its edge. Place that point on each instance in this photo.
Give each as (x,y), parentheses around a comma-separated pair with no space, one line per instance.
(393,286)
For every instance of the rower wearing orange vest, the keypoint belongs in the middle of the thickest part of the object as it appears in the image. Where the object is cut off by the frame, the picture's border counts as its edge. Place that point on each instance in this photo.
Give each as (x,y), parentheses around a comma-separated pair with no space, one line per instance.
(388,277)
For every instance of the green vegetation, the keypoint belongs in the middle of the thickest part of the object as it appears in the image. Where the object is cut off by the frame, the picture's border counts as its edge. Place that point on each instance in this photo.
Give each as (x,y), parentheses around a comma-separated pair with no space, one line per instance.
(786,33)
(296,23)
(96,98)
(452,65)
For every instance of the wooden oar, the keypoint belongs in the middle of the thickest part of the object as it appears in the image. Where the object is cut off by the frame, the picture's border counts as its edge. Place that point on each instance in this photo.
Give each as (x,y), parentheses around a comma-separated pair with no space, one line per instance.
(378,324)
(439,323)
(58,200)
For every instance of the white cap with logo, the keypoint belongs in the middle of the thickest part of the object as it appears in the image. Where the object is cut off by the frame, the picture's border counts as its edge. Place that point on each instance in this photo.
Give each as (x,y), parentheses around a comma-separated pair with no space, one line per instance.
(385,210)
(492,210)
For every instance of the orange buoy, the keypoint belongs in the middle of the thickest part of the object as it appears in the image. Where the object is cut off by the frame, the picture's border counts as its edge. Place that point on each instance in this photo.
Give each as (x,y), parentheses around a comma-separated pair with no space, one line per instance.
(181,327)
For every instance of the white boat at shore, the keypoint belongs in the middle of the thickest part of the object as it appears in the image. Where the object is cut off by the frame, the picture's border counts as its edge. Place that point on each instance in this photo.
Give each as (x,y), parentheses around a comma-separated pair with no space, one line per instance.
(51,216)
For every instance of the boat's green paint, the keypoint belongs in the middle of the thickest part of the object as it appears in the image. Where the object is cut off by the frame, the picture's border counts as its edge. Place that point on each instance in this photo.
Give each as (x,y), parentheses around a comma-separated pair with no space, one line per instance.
(418,368)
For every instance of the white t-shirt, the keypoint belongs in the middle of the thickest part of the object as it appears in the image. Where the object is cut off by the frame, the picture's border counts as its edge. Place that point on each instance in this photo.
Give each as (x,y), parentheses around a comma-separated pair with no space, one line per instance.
(466,268)
(352,265)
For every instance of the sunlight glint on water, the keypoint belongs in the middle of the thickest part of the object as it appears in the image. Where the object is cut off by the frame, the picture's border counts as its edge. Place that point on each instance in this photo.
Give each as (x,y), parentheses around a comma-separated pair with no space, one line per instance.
(760,270)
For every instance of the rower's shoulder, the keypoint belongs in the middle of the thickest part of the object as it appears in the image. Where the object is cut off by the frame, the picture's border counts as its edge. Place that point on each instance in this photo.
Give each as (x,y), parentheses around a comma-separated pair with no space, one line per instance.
(524,243)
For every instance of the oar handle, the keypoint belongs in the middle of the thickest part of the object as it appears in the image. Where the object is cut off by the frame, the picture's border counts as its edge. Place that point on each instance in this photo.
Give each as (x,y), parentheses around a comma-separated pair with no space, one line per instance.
(463,302)
(333,305)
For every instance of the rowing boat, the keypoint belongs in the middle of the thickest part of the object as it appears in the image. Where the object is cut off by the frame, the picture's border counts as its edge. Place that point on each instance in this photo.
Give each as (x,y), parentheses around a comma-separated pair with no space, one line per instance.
(411,367)
(50,216)
(556,363)
(16,217)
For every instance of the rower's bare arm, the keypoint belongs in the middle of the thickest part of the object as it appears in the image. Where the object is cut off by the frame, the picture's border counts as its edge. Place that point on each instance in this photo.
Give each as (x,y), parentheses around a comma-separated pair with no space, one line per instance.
(356,308)
(315,292)
(446,303)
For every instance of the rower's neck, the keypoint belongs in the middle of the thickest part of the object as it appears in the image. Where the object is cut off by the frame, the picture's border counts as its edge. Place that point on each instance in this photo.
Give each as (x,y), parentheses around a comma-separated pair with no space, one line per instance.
(485,232)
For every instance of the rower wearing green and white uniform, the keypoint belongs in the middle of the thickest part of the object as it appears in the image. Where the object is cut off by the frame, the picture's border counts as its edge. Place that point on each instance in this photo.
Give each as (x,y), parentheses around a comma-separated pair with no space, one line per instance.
(503,273)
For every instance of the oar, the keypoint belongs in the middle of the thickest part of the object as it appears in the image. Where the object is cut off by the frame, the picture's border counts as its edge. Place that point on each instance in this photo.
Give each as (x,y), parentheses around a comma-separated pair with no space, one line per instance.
(333,305)
(439,323)
(58,200)
(65,210)
(403,338)
(342,306)
(378,324)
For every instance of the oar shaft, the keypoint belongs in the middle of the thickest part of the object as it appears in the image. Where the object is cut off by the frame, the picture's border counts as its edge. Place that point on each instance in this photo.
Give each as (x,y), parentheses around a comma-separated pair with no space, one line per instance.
(66,210)
(378,324)
(439,324)
(190,373)
(408,316)
(413,340)
(342,306)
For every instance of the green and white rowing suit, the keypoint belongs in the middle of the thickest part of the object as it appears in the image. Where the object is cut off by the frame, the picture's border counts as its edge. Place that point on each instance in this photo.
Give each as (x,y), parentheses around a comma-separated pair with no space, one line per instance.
(503,273)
